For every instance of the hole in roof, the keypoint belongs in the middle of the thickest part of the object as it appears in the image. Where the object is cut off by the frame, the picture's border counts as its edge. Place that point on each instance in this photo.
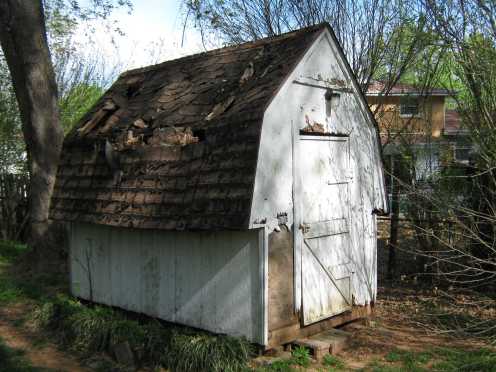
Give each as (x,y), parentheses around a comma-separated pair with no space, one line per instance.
(200,134)
(133,88)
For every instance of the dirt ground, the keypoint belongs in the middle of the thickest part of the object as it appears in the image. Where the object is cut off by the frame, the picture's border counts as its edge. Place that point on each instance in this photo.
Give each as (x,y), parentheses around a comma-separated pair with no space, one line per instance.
(395,325)
(39,352)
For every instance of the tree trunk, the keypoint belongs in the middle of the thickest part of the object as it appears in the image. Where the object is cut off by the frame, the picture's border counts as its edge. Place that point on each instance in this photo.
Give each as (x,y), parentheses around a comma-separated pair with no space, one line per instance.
(24,43)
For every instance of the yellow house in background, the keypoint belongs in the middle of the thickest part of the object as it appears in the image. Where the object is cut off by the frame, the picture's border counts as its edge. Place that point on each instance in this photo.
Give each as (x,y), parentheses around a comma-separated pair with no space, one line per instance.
(417,119)
(406,110)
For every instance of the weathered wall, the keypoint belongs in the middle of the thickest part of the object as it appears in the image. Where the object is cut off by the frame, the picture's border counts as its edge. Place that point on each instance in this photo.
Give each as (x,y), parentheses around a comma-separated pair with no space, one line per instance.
(211,281)
(280,163)
(281,290)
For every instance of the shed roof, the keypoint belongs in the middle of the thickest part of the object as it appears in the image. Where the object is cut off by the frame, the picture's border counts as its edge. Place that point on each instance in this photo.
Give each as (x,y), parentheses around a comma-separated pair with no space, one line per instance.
(182,140)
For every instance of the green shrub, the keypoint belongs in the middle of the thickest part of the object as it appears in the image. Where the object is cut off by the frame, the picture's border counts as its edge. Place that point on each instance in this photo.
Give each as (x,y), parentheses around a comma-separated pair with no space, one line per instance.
(301,356)
(91,328)
(98,328)
(205,352)
(157,341)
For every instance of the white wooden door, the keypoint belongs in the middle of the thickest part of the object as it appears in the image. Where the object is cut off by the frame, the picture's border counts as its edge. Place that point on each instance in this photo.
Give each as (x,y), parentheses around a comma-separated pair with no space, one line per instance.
(325,176)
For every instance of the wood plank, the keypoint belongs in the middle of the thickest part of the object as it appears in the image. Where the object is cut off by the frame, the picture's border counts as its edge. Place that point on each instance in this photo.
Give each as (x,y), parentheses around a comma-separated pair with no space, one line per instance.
(281,284)
(291,333)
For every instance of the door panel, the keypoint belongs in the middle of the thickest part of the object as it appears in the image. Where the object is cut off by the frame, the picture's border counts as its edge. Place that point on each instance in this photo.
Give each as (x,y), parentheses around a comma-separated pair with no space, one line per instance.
(326,266)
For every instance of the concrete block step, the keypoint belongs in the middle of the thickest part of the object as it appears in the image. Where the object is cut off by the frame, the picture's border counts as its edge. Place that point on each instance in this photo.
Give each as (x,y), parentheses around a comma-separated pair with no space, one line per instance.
(332,341)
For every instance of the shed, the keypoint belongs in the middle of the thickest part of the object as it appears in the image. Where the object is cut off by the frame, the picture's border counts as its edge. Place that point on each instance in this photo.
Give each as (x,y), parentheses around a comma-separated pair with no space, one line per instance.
(233,191)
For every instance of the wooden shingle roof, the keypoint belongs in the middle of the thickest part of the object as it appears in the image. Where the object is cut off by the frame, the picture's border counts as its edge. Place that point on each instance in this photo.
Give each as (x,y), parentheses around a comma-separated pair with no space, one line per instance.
(174,146)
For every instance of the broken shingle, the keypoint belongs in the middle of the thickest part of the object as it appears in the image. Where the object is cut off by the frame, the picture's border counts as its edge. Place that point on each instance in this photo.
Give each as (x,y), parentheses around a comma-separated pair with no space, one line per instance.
(187,134)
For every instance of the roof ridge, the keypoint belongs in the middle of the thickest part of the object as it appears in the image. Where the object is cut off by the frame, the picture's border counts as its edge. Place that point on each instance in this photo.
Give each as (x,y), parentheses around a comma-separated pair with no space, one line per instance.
(228,48)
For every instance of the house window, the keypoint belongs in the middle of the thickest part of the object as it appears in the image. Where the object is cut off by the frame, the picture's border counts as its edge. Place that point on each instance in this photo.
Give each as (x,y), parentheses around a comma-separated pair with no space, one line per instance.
(409,106)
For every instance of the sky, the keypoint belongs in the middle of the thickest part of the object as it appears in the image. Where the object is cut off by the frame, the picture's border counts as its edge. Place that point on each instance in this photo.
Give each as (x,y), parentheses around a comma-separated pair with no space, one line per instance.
(152,33)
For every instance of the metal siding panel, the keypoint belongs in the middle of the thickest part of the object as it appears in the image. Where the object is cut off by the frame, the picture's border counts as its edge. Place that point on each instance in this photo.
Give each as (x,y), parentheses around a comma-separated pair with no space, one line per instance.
(166,250)
(206,280)
(117,272)
(150,273)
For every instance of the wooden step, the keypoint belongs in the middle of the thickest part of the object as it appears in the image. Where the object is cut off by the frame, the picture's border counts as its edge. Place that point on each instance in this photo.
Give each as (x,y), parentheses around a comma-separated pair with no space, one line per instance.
(332,341)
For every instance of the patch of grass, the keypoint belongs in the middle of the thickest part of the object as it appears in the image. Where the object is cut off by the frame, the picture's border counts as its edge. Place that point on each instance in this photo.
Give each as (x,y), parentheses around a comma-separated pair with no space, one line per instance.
(411,361)
(9,251)
(481,360)
(333,362)
(445,360)
(279,366)
(12,360)
(301,356)
(9,291)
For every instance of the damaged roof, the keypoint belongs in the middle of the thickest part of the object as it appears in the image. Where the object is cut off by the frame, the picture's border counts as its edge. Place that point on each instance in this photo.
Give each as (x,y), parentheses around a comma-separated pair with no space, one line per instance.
(174,146)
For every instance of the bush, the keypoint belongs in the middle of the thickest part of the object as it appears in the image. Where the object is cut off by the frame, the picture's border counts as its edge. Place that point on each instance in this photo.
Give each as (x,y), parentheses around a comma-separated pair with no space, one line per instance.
(206,352)
(99,328)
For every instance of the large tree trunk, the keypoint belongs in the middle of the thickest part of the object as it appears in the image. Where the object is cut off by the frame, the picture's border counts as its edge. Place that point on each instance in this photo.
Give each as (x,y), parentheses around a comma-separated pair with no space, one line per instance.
(24,43)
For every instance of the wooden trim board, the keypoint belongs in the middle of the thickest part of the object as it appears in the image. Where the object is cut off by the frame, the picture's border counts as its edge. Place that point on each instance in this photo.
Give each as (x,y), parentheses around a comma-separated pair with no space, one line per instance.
(290,333)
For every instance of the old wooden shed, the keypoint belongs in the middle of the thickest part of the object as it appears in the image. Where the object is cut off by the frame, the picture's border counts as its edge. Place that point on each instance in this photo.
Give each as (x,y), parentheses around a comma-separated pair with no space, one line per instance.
(233,191)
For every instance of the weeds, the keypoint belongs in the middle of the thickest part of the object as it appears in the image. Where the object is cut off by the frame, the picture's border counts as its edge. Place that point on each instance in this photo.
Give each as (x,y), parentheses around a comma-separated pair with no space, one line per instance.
(301,356)
(98,328)
(205,352)
(481,360)
(333,362)
(280,366)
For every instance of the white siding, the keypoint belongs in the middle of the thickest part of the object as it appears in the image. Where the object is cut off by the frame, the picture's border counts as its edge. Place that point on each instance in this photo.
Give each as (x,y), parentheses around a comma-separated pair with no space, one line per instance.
(210,281)
(279,175)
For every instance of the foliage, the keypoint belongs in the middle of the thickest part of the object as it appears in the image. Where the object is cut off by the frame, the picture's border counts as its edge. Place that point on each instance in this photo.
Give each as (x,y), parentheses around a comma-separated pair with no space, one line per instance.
(279,366)
(10,251)
(23,288)
(453,209)
(76,102)
(204,352)
(334,362)
(11,143)
(301,356)
(98,328)
(81,73)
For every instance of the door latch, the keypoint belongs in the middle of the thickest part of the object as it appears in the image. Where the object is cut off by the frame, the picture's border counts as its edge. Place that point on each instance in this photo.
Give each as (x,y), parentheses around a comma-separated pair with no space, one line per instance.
(304,228)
